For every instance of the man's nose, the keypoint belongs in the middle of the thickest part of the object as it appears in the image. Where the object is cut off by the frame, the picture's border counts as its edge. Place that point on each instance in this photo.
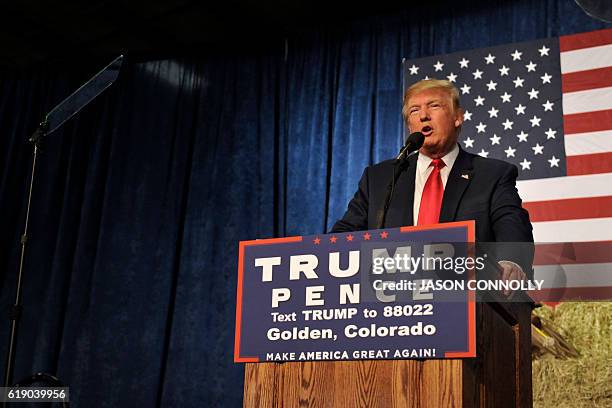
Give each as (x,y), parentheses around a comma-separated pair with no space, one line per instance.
(424,114)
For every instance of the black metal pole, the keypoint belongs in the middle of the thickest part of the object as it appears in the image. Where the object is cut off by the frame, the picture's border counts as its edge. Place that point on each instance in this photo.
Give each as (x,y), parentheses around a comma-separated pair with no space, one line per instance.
(16,308)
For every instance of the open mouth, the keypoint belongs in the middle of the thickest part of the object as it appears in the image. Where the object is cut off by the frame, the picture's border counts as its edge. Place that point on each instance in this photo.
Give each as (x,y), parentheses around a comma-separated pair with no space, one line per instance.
(427,130)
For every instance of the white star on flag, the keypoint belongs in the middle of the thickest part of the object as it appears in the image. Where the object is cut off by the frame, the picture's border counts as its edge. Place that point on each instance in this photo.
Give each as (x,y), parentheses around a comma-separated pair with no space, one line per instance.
(464,63)
(550,134)
(533,94)
(489,59)
(516,55)
(480,127)
(483,153)
(525,165)
(493,112)
(413,69)
(505,97)
(452,77)
(469,142)
(465,89)
(503,71)
(467,115)
(507,124)
(477,74)
(491,85)
(520,109)
(538,149)
(510,152)
(522,136)
(546,78)
(495,139)
(544,51)
(518,82)
(438,66)
(535,121)
(479,100)
(548,105)
(531,66)
(554,162)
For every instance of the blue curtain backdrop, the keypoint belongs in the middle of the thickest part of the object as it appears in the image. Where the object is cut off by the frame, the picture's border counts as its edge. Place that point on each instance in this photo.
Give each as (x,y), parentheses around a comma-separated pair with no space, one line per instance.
(141,200)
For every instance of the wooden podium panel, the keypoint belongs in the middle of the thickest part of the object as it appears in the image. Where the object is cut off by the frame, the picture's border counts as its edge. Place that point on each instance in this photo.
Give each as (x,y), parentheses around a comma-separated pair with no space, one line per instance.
(499,377)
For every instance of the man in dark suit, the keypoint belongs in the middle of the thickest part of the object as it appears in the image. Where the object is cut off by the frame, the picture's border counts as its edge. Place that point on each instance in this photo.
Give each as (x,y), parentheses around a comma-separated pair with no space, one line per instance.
(444,183)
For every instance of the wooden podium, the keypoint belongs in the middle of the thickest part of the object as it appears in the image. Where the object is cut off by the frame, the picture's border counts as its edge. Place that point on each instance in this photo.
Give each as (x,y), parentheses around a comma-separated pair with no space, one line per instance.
(499,377)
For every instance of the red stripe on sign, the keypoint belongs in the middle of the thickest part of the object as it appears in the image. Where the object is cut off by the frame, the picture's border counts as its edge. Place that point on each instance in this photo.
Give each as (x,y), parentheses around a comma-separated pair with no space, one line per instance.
(585,40)
(589,164)
(587,122)
(568,253)
(569,209)
(578,294)
(584,80)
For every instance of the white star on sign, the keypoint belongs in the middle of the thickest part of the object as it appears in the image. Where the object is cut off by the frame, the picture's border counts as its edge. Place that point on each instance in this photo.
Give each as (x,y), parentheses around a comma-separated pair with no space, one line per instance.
(518,82)
(438,66)
(520,109)
(550,134)
(546,78)
(469,142)
(489,59)
(503,71)
(479,101)
(467,115)
(493,112)
(535,121)
(414,70)
(426,77)
(464,63)
(507,124)
(537,149)
(533,94)
(495,139)
(544,51)
(491,85)
(548,105)
(510,151)
(554,162)
(477,74)
(481,127)
(522,136)
(505,97)
(483,153)
(525,164)
(452,77)
(516,55)
(465,89)
(531,66)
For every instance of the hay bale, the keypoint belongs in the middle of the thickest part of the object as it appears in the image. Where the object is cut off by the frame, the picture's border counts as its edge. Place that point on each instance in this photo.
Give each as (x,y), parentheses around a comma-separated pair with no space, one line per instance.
(585,381)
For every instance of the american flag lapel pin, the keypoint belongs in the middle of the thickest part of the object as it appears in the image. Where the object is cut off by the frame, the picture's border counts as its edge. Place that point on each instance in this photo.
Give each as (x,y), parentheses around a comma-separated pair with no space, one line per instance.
(466,176)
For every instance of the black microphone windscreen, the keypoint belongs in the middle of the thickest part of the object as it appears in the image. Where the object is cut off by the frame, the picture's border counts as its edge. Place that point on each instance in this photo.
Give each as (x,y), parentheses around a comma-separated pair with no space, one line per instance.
(416,139)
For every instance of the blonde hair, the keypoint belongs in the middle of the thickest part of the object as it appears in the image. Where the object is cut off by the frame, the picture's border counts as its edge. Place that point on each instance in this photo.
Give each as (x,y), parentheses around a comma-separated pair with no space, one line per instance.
(424,84)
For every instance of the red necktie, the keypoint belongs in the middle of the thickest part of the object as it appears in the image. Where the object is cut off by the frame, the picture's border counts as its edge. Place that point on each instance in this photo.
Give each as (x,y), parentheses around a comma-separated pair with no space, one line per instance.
(431,199)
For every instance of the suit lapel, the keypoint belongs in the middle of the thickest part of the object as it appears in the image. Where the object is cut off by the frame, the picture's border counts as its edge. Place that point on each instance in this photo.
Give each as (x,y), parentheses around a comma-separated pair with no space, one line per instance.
(458,180)
(400,210)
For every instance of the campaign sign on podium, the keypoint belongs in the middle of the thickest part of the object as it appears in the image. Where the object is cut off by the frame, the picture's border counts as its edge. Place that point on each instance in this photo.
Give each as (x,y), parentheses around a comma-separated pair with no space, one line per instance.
(396,293)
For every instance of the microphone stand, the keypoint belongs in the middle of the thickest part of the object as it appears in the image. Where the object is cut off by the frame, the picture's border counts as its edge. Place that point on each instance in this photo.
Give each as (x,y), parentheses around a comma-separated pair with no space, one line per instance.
(398,167)
(52,121)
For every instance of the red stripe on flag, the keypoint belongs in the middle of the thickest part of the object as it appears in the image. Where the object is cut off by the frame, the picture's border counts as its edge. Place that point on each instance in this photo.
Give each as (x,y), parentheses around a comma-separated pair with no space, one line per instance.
(584,80)
(567,253)
(569,209)
(585,40)
(564,294)
(587,122)
(589,164)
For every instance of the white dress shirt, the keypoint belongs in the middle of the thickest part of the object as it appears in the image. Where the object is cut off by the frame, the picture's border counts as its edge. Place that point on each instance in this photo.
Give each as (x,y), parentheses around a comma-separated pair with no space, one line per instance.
(423,171)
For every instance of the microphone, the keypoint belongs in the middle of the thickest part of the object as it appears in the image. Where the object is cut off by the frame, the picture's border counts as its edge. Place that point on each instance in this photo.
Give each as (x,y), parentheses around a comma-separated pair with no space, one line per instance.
(413,143)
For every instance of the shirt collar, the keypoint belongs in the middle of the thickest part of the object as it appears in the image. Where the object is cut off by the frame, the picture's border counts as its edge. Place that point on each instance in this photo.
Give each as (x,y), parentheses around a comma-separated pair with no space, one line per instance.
(448,159)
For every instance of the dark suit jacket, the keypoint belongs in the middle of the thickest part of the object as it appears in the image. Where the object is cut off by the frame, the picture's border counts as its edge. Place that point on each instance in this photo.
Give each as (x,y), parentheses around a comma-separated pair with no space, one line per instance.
(488,195)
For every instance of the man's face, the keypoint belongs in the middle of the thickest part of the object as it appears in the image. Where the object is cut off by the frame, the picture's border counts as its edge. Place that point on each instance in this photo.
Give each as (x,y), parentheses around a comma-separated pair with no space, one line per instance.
(431,112)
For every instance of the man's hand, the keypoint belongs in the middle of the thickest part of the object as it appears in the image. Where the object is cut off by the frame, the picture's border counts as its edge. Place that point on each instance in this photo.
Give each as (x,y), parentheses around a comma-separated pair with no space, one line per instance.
(511,271)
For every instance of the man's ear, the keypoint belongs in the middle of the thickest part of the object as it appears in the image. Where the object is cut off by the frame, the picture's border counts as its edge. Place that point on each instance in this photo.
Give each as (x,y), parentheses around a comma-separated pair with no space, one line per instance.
(458,117)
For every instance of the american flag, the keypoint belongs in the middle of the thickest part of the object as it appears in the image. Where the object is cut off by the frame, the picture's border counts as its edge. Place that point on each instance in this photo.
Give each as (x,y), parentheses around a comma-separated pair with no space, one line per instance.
(546,106)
